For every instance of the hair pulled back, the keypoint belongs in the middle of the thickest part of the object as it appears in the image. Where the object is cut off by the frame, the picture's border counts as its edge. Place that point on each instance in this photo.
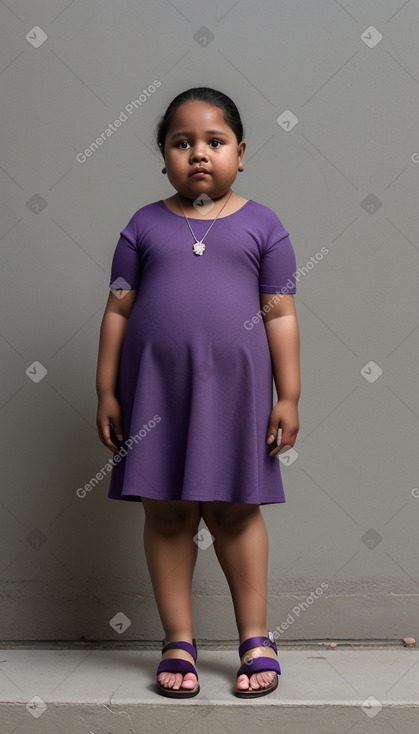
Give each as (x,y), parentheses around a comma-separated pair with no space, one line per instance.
(203,94)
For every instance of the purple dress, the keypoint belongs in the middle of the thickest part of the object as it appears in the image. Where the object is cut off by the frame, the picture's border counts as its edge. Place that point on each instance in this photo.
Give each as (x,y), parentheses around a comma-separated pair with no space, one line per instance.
(195,375)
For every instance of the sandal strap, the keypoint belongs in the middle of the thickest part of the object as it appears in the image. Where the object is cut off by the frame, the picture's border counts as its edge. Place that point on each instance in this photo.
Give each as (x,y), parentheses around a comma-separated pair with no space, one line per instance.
(176,665)
(259,665)
(252,642)
(181,645)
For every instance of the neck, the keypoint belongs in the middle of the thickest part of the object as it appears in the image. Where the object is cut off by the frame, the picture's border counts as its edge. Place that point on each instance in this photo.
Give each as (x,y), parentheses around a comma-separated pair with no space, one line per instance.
(186,202)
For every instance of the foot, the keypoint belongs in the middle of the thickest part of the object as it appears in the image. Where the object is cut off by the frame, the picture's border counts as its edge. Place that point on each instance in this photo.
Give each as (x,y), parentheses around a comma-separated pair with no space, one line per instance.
(257,680)
(177,680)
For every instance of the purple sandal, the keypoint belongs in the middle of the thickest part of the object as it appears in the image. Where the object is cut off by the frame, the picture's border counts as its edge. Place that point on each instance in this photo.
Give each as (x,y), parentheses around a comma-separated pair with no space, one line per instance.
(177,665)
(258,665)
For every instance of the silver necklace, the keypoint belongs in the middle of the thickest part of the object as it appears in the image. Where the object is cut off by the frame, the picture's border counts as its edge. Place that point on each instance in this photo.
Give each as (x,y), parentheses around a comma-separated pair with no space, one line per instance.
(199,245)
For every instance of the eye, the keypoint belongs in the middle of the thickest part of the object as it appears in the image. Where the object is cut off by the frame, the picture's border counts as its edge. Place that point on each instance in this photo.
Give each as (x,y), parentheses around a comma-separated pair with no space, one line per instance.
(183,144)
(215,143)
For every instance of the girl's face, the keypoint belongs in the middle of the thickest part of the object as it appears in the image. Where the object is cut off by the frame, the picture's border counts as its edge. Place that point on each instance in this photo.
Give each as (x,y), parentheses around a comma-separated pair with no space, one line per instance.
(201,151)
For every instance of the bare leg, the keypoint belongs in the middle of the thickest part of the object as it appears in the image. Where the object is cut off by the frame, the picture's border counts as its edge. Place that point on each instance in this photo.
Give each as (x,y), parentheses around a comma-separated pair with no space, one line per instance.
(171,552)
(241,546)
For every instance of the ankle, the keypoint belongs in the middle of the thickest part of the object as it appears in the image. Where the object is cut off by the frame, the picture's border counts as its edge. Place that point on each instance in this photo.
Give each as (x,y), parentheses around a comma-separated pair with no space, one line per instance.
(179,636)
(248,632)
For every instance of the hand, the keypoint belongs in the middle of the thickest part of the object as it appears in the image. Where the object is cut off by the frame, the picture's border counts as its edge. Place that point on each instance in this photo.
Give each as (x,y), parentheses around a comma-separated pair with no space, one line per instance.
(284,416)
(109,415)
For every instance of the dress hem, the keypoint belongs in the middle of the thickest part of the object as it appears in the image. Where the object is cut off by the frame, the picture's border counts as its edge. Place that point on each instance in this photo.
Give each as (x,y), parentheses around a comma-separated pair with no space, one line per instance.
(137,498)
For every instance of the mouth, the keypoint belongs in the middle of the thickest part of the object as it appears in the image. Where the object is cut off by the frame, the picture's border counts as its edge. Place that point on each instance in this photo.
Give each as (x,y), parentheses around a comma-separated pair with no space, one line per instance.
(200,172)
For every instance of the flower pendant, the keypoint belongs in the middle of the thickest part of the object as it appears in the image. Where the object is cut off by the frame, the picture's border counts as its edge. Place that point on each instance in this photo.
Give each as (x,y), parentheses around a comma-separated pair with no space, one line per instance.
(199,248)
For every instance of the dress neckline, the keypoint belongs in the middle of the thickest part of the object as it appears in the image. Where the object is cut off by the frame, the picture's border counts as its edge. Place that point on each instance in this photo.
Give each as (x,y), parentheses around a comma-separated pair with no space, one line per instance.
(200,219)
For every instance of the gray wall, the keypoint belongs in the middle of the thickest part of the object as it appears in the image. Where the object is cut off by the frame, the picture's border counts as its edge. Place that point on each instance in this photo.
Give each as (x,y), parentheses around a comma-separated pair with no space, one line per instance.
(344,178)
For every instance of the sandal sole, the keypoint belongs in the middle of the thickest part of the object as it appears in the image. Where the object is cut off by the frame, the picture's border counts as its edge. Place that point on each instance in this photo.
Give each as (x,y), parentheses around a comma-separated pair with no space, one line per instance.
(258,692)
(171,693)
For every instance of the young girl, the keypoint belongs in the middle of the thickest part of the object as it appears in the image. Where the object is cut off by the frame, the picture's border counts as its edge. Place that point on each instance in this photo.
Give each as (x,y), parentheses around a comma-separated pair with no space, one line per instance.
(200,316)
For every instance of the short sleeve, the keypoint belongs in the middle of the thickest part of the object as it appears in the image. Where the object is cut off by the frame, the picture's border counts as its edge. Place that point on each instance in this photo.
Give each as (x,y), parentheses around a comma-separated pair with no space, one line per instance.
(278,267)
(125,269)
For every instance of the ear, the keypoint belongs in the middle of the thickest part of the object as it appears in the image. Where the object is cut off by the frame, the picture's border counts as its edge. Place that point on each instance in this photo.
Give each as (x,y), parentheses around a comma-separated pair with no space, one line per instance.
(240,153)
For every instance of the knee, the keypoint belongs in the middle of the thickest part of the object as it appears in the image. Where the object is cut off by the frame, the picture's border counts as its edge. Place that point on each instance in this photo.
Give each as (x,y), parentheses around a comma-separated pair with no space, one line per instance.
(173,520)
(231,517)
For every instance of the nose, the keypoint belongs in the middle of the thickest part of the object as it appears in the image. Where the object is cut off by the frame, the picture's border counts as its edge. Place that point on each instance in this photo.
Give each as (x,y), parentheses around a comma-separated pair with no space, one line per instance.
(197,154)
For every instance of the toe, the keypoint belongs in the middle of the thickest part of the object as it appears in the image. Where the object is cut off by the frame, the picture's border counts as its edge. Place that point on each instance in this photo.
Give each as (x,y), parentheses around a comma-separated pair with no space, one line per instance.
(176,681)
(167,680)
(255,681)
(162,679)
(262,680)
(243,682)
(189,681)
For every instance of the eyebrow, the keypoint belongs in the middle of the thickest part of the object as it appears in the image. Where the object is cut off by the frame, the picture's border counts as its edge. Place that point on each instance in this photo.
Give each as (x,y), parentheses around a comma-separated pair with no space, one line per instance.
(186,132)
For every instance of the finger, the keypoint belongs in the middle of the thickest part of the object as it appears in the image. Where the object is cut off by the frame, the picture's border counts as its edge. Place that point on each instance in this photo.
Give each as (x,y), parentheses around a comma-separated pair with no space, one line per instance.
(286,437)
(274,439)
(273,434)
(286,441)
(280,449)
(105,437)
(117,426)
(284,444)
(283,447)
(289,437)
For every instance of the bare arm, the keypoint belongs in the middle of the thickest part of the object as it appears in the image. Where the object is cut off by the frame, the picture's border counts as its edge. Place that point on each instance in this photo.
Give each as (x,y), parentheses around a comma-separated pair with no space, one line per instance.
(112,331)
(284,344)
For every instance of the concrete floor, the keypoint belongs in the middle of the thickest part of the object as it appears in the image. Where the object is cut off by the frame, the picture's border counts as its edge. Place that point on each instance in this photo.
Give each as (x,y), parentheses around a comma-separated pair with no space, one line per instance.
(93,691)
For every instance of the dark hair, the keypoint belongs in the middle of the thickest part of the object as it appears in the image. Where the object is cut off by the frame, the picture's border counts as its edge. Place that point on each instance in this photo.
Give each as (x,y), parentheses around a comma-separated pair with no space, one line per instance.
(204,94)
